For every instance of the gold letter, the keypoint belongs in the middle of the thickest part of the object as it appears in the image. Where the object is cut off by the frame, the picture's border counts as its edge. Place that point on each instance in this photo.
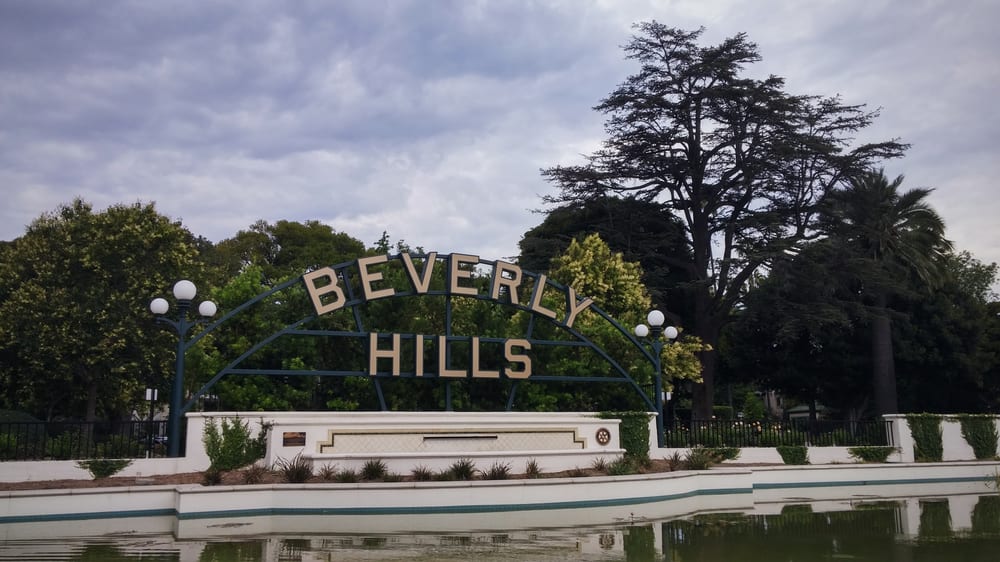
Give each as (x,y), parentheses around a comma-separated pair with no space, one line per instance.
(459,273)
(476,371)
(573,307)
(443,369)
(418,355)
(421,283)
(316,292)
(536,298)
(368,277)
(374,354)
(522,358)
(512,284)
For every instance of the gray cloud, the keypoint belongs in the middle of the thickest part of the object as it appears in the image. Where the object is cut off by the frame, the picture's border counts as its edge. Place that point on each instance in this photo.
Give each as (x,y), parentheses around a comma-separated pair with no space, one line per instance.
(430,120)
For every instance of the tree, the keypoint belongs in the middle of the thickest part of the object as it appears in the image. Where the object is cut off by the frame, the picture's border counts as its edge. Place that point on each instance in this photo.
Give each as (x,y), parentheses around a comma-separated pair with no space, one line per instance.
(643,231)
(891,235)
(74,289)
(741,162)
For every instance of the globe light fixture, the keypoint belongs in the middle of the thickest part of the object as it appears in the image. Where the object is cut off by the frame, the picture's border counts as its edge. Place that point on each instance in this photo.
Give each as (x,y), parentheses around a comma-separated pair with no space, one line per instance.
(655,336)
(184,292)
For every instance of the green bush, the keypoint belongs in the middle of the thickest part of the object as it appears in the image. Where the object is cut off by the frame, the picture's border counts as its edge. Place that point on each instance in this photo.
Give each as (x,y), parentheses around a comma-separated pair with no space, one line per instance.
(68,445)
(233,446)
(8,446)
(374,469)
(926,432)
(794,454)
(531,469)
(871,453)
(726,453)
(463,469)
(295,470)
(700,458)
(622,466)
(499,471)
(980,432)
(102,468)
(120,446)
(633,432)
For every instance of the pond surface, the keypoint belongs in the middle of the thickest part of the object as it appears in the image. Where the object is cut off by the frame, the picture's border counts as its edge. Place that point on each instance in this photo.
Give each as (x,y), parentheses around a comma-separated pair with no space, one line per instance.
(963,528)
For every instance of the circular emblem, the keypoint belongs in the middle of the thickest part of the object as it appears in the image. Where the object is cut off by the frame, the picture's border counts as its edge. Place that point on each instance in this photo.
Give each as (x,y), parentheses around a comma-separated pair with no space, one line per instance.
(603,436)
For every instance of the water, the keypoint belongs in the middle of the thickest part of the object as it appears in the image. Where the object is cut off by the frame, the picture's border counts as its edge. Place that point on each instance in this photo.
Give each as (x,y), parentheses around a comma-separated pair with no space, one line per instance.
(963,528)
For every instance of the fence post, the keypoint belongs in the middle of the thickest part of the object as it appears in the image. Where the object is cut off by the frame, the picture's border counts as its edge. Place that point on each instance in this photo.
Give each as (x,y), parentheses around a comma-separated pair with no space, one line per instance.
(900,437)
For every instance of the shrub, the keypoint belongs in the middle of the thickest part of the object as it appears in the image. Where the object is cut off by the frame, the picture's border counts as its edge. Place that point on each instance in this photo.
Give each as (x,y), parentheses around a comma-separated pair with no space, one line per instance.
(68,445)
(600,464)
(211,477)
(374,469)
(871,453)
(120,446)
(254,474)
(346,476)
(794,454)
(980,432)
(328,472)
(233,446)
(926,432)
(463,469)
(726,453)
(674,461)
(392,477)
(102,468)
(700,458)
(499,471)
(8,446)
(622,466)
(422,474)
(633,432)
(678,438)
(531,469)
(295,470)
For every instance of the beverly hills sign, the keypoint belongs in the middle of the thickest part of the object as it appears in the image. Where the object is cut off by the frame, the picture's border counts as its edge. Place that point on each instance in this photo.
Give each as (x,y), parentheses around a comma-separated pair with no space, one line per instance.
(507,284)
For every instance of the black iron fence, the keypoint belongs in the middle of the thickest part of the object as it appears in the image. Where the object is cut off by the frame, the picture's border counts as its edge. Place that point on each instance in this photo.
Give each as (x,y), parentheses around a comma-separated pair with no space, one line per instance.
(815,433)
(64,440)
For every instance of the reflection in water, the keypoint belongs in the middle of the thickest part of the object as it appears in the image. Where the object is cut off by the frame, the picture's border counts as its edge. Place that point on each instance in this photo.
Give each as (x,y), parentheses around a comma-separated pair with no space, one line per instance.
(963,528)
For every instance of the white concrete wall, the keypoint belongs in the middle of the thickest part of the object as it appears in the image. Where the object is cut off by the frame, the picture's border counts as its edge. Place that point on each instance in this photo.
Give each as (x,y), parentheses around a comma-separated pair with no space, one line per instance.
(197,511)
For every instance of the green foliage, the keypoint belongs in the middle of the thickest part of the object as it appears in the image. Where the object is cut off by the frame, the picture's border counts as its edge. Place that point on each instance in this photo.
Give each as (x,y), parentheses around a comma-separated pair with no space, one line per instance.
(926,432)
(497,471)
(794,454)
(871,453)
(600,464)
(254,474)
(980,432)
(103,468)
(211,477)
(327,472)
(753,407)
(121,446)
(374,469)
(633,432)
(67,445)
(463,469)
(233,446)
(726,453)
(700,458)
(295,470)
(531,469)
(79,280)
(623,466)
(650,114)
(347,476)
(422,474)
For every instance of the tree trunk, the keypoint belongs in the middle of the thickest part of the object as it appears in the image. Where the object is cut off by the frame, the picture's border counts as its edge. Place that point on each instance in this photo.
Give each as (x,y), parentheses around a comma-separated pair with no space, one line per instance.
(883,366)
(704,394)
(91,413)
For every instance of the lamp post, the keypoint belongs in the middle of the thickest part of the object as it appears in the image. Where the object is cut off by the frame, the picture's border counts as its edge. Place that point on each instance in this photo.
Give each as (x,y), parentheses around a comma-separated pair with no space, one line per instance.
(184,292)
(656,335)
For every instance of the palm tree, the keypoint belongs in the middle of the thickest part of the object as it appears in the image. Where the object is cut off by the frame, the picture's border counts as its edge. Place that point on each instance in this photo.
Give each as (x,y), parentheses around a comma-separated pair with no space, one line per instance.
(892,235)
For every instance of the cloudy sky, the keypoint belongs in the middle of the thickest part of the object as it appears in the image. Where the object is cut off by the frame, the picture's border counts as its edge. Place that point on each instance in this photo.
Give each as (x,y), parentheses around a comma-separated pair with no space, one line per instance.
(430,119)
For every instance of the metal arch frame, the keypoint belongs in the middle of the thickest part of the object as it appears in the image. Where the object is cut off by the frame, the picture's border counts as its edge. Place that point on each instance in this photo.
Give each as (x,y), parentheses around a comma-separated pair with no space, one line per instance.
(353,302)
